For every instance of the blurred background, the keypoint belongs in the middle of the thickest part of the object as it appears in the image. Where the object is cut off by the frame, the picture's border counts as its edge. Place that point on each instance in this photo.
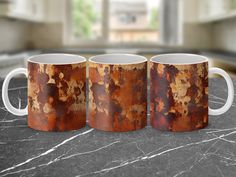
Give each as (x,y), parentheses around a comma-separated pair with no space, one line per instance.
(91,27)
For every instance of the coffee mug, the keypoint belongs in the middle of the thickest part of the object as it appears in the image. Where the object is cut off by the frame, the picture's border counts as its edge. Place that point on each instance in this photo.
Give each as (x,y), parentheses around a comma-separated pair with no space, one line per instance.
(179,92)
(117,92)
(56,92)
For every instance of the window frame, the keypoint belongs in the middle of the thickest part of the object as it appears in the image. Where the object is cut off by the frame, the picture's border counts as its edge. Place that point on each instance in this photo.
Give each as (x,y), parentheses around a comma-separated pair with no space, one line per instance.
(70,40)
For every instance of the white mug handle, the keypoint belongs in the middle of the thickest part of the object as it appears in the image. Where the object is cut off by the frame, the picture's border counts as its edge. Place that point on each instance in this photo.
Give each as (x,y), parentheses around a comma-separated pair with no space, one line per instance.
(230,86)
(5,98)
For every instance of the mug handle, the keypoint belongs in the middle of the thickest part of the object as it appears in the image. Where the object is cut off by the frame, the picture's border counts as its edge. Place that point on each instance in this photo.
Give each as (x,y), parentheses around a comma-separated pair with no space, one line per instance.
(5,98)
(230,86)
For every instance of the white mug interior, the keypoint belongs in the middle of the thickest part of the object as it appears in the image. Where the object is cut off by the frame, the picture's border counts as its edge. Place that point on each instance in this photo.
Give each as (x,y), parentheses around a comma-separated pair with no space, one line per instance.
(118,59)
(179,59)
(56,59)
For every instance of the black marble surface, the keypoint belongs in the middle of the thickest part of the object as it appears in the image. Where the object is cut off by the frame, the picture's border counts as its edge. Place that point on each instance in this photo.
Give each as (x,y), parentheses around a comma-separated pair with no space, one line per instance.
(148,152)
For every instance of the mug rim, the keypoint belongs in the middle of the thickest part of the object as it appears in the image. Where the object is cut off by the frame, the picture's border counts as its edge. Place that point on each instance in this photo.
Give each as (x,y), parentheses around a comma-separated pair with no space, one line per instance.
(54,57)
(140,59)
(182,56)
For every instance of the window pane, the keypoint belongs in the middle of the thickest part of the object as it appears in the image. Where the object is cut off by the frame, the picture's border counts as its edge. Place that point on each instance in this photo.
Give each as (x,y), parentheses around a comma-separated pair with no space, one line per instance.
(86,19)
(134,20)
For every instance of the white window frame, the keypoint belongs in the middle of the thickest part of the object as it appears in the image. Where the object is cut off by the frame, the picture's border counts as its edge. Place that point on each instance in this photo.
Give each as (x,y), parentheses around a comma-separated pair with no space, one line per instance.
(70,40)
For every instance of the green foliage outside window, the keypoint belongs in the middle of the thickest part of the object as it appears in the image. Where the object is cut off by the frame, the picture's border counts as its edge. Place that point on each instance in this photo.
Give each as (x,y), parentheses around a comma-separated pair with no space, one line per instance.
(154,19)
(83,18)
(233,4)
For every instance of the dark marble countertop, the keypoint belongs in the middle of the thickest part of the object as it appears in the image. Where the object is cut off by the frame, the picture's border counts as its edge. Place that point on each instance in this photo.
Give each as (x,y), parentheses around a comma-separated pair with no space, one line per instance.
(226,57)
(147,152)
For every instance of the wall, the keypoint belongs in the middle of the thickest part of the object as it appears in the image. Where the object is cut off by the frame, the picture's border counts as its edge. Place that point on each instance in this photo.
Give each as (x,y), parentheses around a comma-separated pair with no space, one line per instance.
(20,35)
(225,35)
(218,35)
(13,35)
(195,35)
(48,35)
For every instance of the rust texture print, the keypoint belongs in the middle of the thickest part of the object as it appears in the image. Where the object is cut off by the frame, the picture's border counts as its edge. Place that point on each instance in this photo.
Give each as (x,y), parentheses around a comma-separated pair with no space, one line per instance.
(118,96)
(179,96)
(56,96)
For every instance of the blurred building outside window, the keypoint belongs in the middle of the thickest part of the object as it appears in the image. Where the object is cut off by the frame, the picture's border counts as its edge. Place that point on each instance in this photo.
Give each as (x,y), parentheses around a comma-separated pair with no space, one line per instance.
(115,21)
(87,19)
(133,20)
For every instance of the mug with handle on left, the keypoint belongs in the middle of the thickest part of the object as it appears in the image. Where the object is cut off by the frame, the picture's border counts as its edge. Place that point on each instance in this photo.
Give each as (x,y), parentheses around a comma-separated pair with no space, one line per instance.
(56,92)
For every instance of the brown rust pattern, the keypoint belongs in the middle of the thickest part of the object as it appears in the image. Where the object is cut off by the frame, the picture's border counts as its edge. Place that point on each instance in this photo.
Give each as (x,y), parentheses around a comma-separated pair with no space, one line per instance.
(179,96)
(56,96)
(117,96)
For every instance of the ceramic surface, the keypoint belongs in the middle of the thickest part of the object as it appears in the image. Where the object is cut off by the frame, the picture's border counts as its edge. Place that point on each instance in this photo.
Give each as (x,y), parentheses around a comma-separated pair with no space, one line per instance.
(117,96)
(179,96)
(56,96)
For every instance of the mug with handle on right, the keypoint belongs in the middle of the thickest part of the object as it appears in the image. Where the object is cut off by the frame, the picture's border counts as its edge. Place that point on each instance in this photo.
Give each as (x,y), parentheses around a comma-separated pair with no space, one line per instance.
(179,92)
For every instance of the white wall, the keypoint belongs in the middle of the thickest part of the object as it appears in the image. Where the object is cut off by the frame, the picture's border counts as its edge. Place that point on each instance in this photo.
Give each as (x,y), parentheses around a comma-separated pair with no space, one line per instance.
(55,10)
(190,10)
(218,35)
(224,35)
(19,35)
(14,35)
(195,35)
(48,35)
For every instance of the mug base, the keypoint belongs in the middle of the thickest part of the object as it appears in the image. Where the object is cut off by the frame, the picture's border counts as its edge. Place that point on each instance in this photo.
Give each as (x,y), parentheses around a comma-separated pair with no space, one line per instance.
(116,130)
(181,130)
(45,129)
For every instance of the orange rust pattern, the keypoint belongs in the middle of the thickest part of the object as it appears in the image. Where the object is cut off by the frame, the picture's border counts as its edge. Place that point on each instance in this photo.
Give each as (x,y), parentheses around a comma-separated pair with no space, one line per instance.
(56,96)
(179,96)
(117,96)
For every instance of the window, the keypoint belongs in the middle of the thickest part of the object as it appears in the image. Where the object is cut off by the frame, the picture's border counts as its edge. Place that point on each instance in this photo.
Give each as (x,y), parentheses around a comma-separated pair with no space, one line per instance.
(133,21)
(87,19)
(114,21)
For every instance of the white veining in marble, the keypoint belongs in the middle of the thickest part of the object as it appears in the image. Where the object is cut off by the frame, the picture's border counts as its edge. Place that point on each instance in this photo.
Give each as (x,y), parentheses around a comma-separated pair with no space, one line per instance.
(147,152)
(46,152)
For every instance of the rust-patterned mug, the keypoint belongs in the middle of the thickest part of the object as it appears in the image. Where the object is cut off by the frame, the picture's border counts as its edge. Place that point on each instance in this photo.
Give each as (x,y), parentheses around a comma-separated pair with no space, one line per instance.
(117,92)
(56,92)
(179,92)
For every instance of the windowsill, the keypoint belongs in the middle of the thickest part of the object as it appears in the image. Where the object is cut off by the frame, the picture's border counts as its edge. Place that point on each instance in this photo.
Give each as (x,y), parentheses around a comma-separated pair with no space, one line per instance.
(130,45)
(71,42)
(138,50)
